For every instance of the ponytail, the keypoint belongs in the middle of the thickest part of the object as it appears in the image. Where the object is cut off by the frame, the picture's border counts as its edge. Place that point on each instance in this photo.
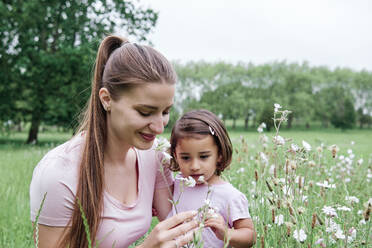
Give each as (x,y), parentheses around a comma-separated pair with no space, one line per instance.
(91,172)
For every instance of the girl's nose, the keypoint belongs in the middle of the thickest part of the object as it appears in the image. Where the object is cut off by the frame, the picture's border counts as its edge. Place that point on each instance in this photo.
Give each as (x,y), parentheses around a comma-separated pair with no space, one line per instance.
(195,165)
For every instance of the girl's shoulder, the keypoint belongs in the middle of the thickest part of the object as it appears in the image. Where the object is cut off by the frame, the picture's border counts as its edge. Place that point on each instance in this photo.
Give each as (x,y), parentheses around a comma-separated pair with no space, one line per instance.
(227,191)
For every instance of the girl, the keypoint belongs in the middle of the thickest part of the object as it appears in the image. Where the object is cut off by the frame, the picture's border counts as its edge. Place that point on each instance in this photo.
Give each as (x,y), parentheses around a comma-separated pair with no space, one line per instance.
(109,167)
(201,149)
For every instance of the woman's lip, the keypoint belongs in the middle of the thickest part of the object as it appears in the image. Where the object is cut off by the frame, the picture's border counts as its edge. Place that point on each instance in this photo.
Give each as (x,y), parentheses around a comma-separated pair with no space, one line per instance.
(148,137)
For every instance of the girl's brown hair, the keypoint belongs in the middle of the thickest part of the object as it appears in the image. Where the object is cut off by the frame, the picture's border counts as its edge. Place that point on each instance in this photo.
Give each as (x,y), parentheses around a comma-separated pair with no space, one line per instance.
(196,124)
(119,65)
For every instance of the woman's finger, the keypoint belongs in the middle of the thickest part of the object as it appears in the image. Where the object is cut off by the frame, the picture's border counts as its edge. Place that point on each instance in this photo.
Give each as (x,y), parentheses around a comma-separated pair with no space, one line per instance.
(185,239)
(180,230)
(176,220)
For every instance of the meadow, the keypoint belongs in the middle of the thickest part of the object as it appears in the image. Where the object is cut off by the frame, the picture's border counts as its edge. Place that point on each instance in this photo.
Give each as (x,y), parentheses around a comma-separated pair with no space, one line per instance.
(300,196)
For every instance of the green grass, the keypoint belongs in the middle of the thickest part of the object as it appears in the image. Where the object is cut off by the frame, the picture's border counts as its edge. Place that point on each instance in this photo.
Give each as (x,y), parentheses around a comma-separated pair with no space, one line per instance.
(18,161)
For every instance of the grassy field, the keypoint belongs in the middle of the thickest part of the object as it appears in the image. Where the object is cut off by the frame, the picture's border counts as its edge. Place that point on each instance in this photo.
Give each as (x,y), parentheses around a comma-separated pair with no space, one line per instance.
(296,202)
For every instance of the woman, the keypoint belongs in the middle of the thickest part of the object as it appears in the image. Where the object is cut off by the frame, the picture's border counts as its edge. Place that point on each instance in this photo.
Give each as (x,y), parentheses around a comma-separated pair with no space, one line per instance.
(110,167)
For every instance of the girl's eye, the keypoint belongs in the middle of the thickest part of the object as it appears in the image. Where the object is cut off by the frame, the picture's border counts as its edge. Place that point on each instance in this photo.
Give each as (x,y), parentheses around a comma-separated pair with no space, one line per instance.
(204,156)
(185,158)
(166,112)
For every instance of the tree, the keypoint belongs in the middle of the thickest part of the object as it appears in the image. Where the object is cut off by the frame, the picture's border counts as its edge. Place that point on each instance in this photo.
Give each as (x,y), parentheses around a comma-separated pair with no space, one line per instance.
(51,44)
(344,115)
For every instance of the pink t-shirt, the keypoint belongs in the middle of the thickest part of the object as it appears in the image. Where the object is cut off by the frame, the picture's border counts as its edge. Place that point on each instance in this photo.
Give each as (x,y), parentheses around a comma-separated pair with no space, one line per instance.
(57,174)
(230,202)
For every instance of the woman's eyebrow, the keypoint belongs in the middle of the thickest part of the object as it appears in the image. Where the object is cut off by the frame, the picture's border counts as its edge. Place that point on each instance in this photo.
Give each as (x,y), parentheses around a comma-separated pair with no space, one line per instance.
(152,107)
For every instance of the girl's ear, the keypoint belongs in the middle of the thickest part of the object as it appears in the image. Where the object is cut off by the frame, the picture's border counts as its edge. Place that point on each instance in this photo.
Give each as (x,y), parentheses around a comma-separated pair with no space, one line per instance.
(219,159)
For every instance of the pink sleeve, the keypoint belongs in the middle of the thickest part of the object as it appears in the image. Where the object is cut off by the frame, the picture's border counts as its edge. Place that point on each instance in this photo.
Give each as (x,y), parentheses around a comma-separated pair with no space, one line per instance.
(163,175)
(238,208)
(55,178)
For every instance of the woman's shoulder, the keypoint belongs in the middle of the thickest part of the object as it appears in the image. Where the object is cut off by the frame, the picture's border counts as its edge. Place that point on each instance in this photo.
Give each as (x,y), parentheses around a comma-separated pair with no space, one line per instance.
(63,159)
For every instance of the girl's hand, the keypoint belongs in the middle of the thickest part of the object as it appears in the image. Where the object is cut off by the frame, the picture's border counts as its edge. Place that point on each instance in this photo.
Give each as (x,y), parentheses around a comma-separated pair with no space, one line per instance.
(173,232)
(218,226)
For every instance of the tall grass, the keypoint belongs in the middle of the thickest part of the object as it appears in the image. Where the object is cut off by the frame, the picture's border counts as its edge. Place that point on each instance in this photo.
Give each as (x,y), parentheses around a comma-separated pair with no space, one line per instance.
(18,161)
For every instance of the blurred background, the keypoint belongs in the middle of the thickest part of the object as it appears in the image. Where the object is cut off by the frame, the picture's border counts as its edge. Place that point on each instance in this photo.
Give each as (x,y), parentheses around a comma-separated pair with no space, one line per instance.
(236,58)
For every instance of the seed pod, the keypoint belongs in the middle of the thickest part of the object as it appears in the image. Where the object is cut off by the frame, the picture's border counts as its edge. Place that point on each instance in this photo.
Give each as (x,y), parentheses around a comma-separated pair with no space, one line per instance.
(275,172)
(300,182)
(288,231)
(294,221)
(256,175)
(313,222)
(273,215)
(319,220)
(367,212)
(291,211)
(262,242)
(269,186)
(278,203)
(286,166)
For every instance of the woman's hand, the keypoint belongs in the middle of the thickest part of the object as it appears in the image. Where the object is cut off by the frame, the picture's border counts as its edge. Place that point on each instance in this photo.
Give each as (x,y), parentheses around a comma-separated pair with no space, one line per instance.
(173,232)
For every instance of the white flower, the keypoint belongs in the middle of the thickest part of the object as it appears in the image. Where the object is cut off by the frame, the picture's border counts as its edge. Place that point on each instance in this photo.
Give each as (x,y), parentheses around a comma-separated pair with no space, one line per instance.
(294,147)
(360,162)
(240,170)
(207,202)
(339,234)
(189,181)
(326,185)
(201,179)
(279,140)
(277,106)
(299,235)
(279,220)
(343,208)
(166,159)
(352,143)
(351,234)
(330,211)
(264,159)
(261,127)
(306,146)
(349,151)
(331,226)
(163,145)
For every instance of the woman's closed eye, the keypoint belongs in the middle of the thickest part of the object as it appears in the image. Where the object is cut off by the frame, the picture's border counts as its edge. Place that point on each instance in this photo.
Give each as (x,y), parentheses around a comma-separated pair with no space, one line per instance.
(144,113)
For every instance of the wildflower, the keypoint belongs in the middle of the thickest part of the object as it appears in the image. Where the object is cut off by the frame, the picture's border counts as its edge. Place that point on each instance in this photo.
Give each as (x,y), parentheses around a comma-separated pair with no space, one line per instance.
(279,140)
(360,162)
(163,145)
(240,170)
(319,149)
(264,159)
(279,220)
(277,107)
(351,234)
(312,163)
(299,235)
(264,139)
(326,185)
(331,226)
(207,202)
(301,210)
(339,234)
(306,146)
(293,148)
(189,181)
(343,208)
(166,159)
(334,149)
(261,127)
(201,179)
(330,211)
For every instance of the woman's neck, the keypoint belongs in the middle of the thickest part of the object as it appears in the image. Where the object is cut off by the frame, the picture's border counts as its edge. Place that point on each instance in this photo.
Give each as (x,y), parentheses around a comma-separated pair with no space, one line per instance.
(116,152)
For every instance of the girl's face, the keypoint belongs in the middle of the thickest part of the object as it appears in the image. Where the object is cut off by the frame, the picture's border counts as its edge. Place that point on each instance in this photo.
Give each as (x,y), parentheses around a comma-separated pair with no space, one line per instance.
(140,114)
(198,157)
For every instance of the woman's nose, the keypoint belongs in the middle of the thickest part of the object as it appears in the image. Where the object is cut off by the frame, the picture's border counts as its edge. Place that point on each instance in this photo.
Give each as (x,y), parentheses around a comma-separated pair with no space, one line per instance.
(157,125)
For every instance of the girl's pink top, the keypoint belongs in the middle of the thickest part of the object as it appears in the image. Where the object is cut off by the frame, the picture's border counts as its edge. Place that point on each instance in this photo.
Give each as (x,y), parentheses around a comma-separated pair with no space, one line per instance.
(121,225)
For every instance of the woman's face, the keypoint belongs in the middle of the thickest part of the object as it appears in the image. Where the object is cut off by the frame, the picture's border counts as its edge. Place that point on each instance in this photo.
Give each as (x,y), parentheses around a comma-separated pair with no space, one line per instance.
(140,114)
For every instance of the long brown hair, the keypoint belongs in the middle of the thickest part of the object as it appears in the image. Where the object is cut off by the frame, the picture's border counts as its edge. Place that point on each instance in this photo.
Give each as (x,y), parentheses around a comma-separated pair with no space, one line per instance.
(119,65)
(197,124)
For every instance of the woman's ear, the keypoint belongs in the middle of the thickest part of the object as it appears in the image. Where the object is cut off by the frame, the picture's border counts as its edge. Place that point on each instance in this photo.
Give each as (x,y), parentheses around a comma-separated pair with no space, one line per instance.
(105,98)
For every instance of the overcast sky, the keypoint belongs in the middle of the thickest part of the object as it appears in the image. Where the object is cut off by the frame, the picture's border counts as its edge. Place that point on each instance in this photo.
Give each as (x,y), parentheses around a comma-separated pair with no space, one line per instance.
(322,32)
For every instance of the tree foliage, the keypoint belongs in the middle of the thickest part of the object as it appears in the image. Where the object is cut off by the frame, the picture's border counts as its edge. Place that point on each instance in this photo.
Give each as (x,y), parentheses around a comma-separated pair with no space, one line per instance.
(47,52)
